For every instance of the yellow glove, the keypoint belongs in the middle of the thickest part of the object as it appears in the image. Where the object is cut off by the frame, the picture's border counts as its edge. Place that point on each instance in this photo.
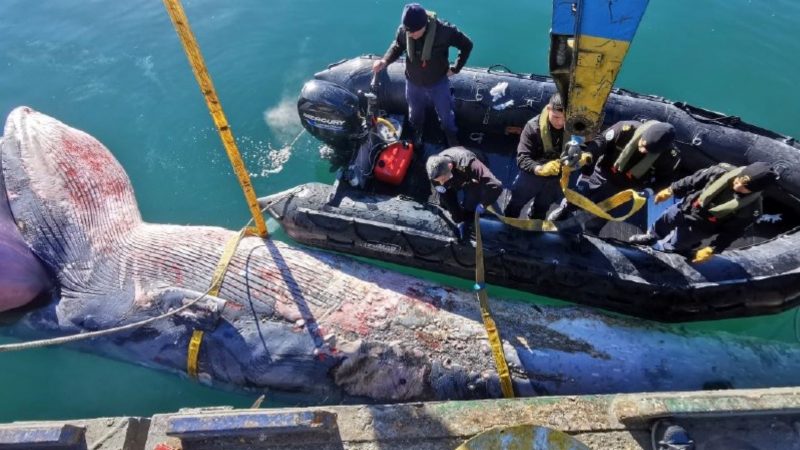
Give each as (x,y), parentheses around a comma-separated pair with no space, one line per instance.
(663,195)
(548,169)
(703,255)
(586,158)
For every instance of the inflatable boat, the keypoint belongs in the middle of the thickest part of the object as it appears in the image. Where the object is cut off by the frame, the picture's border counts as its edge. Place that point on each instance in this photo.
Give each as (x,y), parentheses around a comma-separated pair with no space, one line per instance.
(380,209)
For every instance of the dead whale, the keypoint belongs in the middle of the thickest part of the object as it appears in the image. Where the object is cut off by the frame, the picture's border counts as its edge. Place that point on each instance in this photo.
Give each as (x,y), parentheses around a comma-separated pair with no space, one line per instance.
(311,323)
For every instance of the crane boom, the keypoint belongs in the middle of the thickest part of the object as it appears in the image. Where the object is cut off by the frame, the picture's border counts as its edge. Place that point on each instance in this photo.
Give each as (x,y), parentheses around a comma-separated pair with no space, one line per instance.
(589,41)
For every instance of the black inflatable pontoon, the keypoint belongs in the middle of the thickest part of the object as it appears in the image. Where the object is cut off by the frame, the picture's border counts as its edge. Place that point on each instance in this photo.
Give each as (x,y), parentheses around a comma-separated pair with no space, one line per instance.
(760,274)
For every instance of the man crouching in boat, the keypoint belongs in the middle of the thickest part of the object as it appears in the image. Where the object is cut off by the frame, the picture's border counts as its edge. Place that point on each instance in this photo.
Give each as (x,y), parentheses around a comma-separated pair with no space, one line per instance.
(630,155)
(720,200)
(538,159)
(426,41)
(458,169)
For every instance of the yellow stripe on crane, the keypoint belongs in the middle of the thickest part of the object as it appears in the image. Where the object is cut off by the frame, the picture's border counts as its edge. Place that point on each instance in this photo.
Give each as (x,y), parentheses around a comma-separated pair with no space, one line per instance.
(598,62)
(181,23)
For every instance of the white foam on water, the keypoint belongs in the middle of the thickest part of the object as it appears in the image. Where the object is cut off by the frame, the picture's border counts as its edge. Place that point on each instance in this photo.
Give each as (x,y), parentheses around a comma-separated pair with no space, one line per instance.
(262,158)
(326,152)
(285,125)
(148,69)
(272,161)
(283,119)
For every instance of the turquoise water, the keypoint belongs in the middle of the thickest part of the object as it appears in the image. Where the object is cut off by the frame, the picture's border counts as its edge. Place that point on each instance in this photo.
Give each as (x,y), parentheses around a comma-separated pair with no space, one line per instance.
(116,70)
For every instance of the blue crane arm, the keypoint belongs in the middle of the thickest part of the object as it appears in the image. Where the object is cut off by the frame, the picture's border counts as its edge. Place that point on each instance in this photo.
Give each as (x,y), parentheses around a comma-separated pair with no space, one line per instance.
(589,41)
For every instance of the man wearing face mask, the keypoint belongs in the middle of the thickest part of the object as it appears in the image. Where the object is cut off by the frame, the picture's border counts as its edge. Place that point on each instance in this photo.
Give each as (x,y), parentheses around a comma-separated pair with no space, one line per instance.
(458,169)
(426,41)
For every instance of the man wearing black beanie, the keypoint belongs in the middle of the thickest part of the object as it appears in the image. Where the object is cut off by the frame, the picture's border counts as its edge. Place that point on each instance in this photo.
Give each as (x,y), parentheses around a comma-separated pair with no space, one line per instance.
(720,200)
(426,41)
(630,155)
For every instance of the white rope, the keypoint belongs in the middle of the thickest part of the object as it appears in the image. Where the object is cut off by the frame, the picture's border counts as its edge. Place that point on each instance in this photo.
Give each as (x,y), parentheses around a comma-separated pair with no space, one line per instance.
(93,334)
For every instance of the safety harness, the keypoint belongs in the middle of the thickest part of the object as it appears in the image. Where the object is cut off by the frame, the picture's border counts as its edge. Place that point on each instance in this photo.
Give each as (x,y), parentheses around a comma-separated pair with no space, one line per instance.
(547,136)
(720,189)
(427,45)
(631,148)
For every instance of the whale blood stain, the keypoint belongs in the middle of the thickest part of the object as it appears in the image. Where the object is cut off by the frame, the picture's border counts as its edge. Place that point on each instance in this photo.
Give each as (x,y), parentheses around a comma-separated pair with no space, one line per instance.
(89,163)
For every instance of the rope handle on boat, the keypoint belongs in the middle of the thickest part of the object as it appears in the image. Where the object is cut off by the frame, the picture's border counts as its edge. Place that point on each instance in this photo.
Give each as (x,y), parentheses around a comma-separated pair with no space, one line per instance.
(492,333)
(503,67)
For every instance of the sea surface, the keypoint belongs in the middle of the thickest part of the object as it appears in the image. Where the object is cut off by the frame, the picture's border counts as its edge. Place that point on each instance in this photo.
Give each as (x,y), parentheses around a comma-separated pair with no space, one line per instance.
(116,70)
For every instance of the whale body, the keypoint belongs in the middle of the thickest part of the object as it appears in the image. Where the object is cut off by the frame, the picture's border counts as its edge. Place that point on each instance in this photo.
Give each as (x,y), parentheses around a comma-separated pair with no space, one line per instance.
(304,322)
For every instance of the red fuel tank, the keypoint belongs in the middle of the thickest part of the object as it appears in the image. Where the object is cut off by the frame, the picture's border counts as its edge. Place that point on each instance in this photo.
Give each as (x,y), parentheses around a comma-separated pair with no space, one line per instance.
(393,162)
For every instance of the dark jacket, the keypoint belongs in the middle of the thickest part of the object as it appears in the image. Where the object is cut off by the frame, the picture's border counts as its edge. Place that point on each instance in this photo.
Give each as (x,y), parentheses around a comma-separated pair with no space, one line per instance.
(446,36)
(469,173)
(728,228)
(607,147)
(530,151)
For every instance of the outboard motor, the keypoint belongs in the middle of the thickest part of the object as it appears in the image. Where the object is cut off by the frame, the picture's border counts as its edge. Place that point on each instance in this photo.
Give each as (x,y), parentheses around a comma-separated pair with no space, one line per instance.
(331,114)
(364,145)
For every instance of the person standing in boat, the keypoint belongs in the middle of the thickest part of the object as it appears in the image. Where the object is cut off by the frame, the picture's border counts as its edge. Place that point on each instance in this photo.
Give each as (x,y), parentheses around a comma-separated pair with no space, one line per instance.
(630,155)
(721,200)
(538,159)
(426,41)
(458,170)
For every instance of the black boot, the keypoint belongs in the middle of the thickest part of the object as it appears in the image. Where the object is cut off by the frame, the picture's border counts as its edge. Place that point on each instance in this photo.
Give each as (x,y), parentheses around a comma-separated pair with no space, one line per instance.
(560,213)
(643,238)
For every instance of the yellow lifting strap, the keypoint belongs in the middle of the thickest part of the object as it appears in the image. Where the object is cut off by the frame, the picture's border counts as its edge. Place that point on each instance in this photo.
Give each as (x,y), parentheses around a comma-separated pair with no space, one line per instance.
(525,224)
(598,209)
(601,209)
(491,329)
(225,259)
(193,352)
(181,23)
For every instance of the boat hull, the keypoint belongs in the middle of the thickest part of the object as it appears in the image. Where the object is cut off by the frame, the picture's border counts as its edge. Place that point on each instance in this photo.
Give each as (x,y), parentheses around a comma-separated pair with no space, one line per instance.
(758,275)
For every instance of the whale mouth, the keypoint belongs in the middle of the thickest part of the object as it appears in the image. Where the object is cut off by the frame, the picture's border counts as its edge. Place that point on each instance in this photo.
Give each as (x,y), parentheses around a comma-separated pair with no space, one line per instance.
(24,280)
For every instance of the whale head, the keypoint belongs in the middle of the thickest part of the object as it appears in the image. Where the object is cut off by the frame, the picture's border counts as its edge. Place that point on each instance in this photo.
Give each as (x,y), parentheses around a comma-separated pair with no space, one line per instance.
(69,198)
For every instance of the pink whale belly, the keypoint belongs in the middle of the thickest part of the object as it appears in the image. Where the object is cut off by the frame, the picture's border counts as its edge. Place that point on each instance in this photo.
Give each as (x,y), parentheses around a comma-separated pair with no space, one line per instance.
(22,275)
